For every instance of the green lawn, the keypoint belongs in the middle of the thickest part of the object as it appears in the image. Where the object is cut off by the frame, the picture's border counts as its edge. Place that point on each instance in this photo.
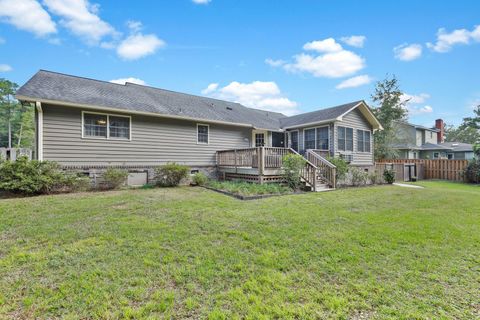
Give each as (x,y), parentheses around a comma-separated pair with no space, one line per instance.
(380,252)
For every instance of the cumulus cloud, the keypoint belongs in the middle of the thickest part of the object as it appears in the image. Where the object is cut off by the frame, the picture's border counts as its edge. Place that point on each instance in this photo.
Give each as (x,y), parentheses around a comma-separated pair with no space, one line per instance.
(408,52)
(81,18)
(5,68)
(27,15)
(201,1)
(332,61)
(130,79)
(354,41)
(327,45)
(354,82)
(447,40)
(137,46)
(265,95)
(413,103)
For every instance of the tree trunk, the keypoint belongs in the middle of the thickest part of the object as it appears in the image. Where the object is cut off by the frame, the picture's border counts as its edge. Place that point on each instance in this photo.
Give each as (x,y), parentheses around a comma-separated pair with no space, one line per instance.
(20,136)
(9,133)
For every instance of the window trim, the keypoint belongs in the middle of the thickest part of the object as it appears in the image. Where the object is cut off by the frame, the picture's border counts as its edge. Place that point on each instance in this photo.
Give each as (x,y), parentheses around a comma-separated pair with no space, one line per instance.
(108,126)
(309,128)
(353,140)
(438,157)
(208,133)
(364,142)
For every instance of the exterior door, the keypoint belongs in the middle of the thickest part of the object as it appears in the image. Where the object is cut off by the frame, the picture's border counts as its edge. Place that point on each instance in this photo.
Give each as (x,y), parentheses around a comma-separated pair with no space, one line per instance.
(278,139)
(259,139)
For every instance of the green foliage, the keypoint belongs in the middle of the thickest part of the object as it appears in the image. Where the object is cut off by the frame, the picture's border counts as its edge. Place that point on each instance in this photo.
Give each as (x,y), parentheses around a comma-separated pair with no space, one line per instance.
(391,108)
(462,133)
(359,176)
(342,167)
(38,177)
(114,178)
(373,177)
(200,179)
(472,171)
(248,189)
(16,120)
(292,166)
(170,175)
(389,176)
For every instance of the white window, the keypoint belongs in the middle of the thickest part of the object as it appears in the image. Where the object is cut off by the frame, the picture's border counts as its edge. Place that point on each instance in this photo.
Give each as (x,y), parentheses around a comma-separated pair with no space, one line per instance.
(106,126)
(202,133)
(345,139)
(436,155)
(316,138)
(363,141)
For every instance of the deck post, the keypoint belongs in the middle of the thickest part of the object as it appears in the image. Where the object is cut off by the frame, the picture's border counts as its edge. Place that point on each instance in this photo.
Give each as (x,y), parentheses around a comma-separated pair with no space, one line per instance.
(261,163)
(236,168)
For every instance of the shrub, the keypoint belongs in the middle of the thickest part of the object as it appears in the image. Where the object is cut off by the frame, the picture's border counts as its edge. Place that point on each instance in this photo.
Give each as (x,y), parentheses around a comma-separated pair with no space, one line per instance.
(359,177)
(171,174)
(76,183)
(373,177)
(30,177)
(200,179)
(292,166)
(472,171)
(342,167)
(114,178)
(389,176)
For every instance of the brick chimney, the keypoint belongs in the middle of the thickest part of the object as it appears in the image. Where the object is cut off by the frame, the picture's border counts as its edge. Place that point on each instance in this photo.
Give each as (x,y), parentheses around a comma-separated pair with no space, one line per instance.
(441,133)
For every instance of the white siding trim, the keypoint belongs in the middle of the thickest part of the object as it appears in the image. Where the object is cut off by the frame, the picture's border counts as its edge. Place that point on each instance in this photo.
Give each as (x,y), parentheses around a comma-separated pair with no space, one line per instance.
(38,105)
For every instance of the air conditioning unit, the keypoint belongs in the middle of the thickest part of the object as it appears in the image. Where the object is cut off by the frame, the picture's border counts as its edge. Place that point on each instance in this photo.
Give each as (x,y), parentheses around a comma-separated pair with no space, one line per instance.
(347,157)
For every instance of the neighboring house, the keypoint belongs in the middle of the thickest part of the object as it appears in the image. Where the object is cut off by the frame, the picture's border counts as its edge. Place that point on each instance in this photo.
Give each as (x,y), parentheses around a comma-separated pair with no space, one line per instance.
(419,142)
(88,125)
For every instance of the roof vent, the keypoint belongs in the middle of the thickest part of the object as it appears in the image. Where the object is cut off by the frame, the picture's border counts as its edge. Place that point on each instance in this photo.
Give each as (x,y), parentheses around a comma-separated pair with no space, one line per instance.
(229,108)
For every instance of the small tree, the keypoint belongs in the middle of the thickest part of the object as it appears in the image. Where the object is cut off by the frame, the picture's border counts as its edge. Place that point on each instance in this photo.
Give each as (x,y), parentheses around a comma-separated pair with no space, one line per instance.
(391,108)
(342,167)
(292,167)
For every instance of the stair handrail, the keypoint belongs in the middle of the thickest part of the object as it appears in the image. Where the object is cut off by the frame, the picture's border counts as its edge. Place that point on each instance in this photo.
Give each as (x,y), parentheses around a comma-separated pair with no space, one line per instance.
(330,169)
(309,172)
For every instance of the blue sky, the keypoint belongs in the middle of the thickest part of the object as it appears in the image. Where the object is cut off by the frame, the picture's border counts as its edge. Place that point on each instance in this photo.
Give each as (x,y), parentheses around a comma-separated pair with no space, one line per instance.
(287,56)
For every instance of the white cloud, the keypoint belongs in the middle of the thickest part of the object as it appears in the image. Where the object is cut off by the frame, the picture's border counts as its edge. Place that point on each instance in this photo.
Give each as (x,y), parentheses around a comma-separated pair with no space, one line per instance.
(5,68)
(414,102)
(332,61)
(134,26)
(201,1)
(274,63)
(414,110)
(81,18)
(138,45)
(130,79)
(265,95)
(27,15)
(210,88)
(327,45)
(354,82)
(445,41)
(354,41)
(408,52)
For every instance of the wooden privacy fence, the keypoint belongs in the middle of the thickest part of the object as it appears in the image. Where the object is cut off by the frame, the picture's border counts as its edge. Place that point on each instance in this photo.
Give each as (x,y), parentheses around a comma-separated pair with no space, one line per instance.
(442,169)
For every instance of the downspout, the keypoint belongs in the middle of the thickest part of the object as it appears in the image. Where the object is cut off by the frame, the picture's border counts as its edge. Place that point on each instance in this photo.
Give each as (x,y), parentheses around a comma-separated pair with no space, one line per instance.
(38,106)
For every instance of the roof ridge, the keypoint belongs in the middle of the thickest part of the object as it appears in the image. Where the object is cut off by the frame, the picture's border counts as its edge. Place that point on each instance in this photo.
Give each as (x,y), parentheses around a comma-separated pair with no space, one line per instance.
(329,108)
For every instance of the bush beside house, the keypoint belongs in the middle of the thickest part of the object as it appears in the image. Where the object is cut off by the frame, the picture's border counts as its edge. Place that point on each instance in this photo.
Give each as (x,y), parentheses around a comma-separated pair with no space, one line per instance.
(171,174)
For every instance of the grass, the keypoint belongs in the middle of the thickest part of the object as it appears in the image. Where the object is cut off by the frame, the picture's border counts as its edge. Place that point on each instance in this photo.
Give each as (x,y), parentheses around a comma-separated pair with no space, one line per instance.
(248,189)
(381,252)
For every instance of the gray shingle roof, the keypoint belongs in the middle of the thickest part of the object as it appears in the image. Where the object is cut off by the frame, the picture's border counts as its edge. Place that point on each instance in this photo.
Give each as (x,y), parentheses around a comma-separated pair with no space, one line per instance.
(458,146)
(317,116)
(48,85)
(433,146)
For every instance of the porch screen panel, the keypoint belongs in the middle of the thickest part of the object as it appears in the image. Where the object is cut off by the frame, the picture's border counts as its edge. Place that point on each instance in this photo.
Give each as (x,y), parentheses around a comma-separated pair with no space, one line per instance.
(309,139)
(322,138)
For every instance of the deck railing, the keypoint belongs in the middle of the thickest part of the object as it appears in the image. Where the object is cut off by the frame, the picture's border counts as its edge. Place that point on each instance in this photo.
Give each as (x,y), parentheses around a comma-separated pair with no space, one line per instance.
(272,158)
(326,170)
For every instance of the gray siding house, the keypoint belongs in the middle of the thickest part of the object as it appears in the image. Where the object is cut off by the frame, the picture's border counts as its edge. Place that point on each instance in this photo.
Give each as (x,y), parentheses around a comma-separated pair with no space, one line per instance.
(89,125)
(419,142)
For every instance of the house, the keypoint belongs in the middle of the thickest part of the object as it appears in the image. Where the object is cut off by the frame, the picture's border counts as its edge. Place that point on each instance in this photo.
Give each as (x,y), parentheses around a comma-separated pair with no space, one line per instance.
(419,142)
(88,125)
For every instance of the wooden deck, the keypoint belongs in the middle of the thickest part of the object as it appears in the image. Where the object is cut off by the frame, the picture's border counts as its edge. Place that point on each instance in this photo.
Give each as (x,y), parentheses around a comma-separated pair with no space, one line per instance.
(265,164)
